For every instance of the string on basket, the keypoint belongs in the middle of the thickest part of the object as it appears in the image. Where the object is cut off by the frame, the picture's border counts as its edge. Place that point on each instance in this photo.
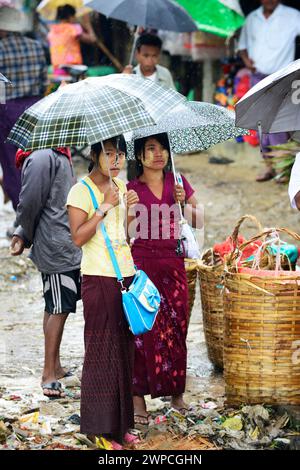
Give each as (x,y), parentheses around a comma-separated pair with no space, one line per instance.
(274,238)
(247,342)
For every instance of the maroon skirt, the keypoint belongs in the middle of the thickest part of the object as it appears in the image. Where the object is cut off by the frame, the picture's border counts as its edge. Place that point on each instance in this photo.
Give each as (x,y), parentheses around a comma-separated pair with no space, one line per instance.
(161,355)
(106,386)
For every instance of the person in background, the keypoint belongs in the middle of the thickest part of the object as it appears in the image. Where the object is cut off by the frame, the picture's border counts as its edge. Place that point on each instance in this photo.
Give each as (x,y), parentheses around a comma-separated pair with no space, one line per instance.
(267,43)
(65,37)
(23,62)
(148,49)
(294,184)
(42,219)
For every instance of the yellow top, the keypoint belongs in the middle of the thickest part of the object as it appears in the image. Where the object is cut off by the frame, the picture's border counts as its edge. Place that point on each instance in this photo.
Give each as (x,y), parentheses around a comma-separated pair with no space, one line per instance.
(96,260)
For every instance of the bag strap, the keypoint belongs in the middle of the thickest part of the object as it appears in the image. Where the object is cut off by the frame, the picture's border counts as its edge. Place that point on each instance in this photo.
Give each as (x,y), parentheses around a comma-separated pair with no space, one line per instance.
(112,253)
(105,236)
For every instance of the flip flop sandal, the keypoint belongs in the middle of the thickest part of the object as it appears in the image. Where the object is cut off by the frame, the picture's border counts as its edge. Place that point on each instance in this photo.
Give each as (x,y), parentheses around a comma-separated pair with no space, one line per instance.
(54,387)
(67,374)
(142,420)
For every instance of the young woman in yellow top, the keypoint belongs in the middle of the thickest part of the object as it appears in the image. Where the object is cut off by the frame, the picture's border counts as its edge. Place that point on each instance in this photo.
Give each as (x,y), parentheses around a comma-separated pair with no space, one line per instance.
(106,387)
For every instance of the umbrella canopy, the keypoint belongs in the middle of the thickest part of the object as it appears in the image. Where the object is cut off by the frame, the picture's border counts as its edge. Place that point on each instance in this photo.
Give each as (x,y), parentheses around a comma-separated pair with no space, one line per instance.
(4,79)
(273,102)
(193,126)
(233,5)
(92,110)
(48,8)
(157,14)
(212,16)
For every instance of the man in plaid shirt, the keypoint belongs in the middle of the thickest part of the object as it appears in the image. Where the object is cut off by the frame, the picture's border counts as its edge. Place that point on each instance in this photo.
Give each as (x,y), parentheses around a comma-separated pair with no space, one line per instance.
(23,62)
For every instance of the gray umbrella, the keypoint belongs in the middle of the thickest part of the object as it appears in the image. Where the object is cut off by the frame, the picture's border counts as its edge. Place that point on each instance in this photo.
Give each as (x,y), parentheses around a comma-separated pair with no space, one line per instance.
(273,104)
(192,127)
(157,14)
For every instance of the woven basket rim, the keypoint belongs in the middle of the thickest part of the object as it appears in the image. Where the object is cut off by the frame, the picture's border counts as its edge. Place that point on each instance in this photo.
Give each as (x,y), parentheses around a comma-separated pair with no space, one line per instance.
(287,276)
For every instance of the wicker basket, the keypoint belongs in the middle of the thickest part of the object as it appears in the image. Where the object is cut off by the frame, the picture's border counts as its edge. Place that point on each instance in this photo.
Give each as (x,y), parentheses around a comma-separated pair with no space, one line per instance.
(262,334)
(191,268)
(211,288)
(210,278)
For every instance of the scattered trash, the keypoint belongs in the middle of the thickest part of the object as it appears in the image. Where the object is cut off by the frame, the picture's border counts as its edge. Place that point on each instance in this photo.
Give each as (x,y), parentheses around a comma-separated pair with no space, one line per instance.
(30,418)
(4,432)
(52,408)
(104,444)
(45,428)
(220,160)
(210,405)
(160,419)
(74,419)
(234,424)
(71,382)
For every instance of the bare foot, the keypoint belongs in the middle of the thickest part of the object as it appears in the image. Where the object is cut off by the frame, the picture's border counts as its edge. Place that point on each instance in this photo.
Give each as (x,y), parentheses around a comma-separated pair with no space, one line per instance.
(266,175)
(60,373)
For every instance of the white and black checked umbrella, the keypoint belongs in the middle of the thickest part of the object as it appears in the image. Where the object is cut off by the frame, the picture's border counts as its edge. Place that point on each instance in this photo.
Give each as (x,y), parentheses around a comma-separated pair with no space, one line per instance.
(193,126)
(91,111)
(4,79)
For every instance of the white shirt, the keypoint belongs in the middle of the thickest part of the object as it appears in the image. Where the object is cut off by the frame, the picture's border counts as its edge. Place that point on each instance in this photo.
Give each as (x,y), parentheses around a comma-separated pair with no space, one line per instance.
(152,77)
(270,42)
(294,185)
(161,75)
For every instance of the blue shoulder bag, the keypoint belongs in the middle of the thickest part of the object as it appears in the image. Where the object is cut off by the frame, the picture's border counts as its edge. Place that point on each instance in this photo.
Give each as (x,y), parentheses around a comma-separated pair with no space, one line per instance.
(141,300)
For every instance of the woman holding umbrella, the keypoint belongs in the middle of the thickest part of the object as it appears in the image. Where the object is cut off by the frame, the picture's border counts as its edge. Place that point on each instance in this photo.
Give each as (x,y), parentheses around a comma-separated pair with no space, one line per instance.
(160,355)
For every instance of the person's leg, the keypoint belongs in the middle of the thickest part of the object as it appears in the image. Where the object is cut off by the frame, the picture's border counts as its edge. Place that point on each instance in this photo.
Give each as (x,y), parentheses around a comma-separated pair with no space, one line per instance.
(59,370)
(61,292)
(267,141)
(53,330)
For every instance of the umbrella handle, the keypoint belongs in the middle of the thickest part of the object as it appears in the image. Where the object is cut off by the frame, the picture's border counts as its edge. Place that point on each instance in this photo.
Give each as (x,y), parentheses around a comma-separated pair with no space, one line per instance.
(260,136)
(135,38)
(107,161)
(176,182)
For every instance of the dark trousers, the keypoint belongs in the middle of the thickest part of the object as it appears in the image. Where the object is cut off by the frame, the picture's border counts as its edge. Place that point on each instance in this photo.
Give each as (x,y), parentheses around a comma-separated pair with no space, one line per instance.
(9,114)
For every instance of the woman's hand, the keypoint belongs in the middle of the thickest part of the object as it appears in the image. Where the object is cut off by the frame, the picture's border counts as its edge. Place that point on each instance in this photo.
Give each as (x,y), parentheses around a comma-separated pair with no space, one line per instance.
(17,246)
(179,194)
(111,198)
(131,198)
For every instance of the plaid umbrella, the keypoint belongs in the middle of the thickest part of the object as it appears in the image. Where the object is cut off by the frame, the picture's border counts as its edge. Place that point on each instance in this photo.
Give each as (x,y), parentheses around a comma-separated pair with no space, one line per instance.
(92,110)
(4,79)
(193,126)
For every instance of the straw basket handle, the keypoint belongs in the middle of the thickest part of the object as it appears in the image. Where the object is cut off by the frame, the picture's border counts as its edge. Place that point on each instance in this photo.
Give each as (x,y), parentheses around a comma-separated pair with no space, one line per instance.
(264,234)
(236,230)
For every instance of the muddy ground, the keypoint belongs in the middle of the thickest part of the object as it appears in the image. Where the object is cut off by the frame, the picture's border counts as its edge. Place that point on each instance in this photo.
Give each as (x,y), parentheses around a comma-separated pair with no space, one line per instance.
(227,192)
